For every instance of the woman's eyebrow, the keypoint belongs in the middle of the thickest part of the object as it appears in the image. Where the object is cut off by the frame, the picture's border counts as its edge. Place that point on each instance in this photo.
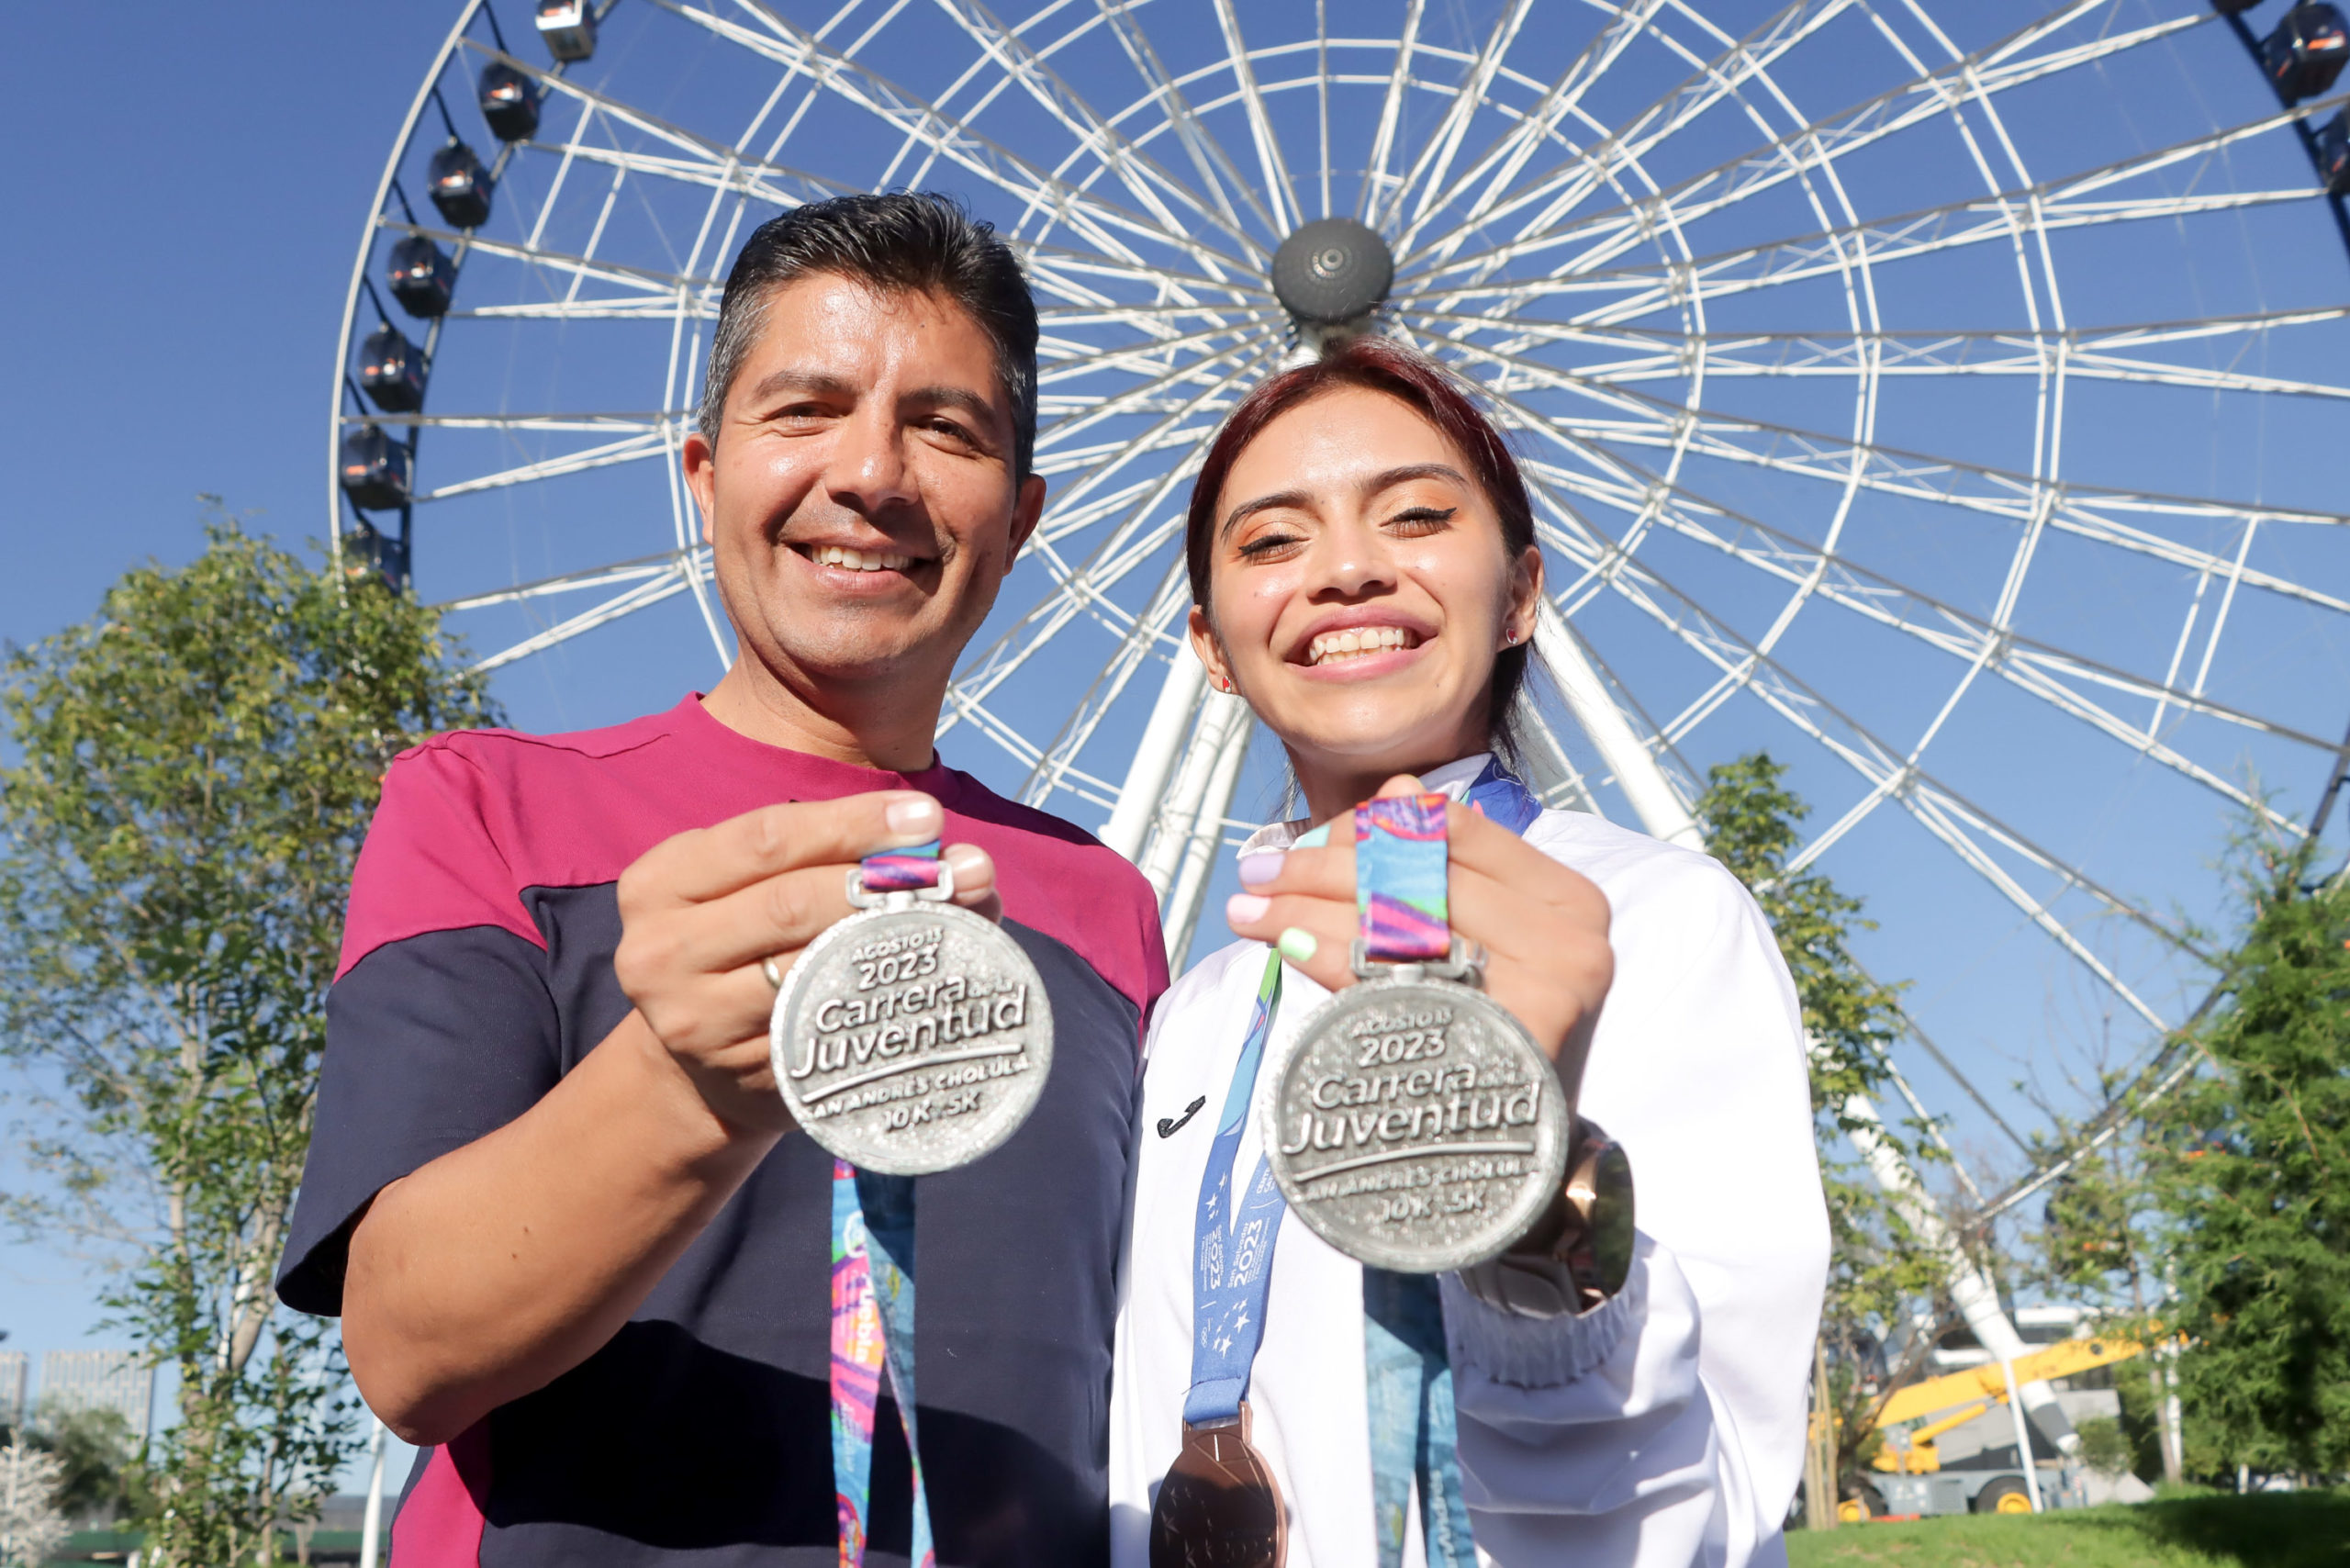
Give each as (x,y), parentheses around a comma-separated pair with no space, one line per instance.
(1392,477)
(1263,503)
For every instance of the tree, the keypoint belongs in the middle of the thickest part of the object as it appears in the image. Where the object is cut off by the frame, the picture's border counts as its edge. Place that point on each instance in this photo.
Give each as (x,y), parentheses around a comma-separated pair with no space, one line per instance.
(196,768)
(99,1476)
(1877,1265)
(2103,1243)
(2258,1195)
(31,1525)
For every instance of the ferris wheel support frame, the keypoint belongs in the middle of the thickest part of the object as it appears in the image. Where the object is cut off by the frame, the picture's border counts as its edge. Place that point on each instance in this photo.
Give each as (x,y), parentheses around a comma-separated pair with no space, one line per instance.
(1664,816)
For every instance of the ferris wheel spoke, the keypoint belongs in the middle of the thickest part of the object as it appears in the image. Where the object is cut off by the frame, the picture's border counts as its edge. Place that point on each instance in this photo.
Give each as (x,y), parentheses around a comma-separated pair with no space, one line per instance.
(638,570)
(1075,360)
(1943,812)
(1435,160)
(1084,212)
(1745,666)
(2076,352)
(1543,206)
(1142,176)
(1209,159)
(2068,202)
(1376,182)
(2049,674)
(1617,150)
(1085,588)
(705,160)
(1100,222)
(1053,270)
(2016,496)
(1134,648)
(695,306)
(666,286)
(774,183)
(633,449)
(1912,611)
(651,591)
(1207,377)
(569,424)
(1287,213)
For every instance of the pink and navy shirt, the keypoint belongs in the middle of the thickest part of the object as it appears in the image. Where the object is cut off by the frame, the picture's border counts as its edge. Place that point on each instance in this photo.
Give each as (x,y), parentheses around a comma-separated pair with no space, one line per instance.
(477,971)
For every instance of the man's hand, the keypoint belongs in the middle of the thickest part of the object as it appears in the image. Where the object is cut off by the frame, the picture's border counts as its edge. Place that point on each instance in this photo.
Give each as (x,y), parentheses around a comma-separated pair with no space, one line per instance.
(699,911)
(1544,927)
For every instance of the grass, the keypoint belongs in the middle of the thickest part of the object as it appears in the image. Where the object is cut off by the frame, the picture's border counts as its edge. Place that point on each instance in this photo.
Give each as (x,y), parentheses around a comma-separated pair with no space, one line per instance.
(2301,1529)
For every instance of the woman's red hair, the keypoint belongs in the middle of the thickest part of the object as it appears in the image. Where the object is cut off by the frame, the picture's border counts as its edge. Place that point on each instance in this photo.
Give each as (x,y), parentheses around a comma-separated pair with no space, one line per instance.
(1430,391)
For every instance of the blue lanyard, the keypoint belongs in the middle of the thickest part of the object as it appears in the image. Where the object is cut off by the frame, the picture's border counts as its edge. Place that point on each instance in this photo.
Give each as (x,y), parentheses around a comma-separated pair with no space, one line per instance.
(1413,1420)
(1232,1256)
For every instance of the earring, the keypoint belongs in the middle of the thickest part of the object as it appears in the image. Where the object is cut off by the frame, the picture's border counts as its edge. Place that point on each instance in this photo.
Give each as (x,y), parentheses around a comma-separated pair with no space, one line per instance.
(1510,637)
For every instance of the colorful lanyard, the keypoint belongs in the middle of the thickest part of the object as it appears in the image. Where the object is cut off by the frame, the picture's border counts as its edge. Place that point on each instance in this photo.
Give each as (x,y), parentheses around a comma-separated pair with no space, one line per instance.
(873,1296)
(1401,902)
(1401,899)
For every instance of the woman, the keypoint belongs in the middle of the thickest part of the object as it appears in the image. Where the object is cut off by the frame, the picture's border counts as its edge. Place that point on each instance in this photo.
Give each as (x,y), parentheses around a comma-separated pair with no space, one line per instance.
(1365,574)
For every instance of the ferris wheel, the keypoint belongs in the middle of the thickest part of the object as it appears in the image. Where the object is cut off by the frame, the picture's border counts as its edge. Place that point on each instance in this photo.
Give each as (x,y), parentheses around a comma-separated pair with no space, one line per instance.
(1945,396)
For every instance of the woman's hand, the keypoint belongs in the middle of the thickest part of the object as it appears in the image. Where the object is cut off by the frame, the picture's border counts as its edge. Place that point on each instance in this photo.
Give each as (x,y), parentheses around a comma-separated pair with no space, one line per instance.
(1544,927)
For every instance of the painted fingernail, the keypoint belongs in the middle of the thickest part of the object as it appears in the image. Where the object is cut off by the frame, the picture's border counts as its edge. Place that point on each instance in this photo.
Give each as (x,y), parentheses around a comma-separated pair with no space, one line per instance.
(1243,909)
(915,813)
(1298,946)
(1261,867)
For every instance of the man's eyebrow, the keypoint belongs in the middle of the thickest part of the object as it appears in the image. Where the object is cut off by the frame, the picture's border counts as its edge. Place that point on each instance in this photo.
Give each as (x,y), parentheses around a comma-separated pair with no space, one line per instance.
(1386,480)
(963,397)
(792,380)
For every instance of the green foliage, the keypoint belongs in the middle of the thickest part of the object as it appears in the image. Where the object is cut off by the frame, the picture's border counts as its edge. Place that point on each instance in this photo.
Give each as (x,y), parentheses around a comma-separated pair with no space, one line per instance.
(100,1474)
(196,767)
(2303,1530)
(2105,1447)
(2258,1190)
(1877,1268)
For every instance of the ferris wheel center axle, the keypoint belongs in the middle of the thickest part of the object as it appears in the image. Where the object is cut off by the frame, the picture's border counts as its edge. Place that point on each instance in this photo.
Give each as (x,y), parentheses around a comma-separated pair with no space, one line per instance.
(1332,273)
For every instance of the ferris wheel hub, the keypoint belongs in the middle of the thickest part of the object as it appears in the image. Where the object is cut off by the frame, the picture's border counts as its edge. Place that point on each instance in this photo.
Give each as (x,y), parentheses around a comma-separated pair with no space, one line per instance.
(1333,272)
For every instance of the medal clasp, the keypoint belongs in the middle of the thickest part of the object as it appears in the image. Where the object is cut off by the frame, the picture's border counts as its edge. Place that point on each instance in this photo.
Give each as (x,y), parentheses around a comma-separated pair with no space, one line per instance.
(903,897)
(1463,965)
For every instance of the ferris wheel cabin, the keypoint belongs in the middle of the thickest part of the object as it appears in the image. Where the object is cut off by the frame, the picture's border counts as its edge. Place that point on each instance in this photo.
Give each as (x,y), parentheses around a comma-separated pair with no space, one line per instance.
(569,28)
(459,185)
(2306,51)
(510,102)
(2333,154)
(374,470)
(423,279)
(391,371)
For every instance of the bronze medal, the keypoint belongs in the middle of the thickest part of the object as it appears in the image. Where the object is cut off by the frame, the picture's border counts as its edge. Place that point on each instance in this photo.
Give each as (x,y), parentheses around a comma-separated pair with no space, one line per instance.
(1218,1506)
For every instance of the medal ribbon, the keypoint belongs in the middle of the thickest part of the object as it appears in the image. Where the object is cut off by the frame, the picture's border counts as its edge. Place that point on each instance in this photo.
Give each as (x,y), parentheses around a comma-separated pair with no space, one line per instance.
(1232,1259)
(1400,899)
(873,1296)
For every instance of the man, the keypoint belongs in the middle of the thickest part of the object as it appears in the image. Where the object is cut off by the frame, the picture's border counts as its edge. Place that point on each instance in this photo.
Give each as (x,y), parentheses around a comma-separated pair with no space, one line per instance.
(576,1244)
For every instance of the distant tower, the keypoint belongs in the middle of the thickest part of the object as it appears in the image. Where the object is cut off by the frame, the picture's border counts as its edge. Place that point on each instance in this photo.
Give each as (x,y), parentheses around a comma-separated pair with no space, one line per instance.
(14,1364)
(73,1380)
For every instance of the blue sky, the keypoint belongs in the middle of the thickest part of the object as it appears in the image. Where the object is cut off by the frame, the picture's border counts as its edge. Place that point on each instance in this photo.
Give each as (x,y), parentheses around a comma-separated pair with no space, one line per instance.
(184,227)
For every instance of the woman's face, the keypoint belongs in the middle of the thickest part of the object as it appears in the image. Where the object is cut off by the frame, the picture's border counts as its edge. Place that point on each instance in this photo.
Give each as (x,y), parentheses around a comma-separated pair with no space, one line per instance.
(1359,589)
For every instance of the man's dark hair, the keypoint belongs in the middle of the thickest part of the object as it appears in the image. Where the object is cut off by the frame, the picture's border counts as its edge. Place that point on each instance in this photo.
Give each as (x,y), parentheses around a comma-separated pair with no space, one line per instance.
(907,242)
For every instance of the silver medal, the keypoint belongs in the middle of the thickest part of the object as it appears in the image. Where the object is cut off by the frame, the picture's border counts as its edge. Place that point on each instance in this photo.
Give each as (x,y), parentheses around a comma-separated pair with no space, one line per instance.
(1415,1126)
(913,1036)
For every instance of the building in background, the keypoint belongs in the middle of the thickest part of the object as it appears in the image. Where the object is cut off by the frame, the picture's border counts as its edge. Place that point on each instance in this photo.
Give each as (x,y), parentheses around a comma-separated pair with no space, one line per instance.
(14,1365)
(72,1381)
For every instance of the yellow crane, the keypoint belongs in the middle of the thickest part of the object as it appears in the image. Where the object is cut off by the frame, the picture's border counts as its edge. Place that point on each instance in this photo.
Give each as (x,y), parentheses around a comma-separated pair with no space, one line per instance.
(1966,1395)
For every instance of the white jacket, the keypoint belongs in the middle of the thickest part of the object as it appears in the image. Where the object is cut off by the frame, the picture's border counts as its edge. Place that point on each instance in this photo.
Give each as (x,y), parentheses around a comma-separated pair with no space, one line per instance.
(1665,1427)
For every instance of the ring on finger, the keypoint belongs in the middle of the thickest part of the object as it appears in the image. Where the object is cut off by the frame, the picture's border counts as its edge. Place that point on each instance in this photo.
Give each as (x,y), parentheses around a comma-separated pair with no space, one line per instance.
(775,975)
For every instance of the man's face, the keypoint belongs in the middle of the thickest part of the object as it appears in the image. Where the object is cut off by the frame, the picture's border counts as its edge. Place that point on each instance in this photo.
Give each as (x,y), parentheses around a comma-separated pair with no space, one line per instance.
(860,505)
